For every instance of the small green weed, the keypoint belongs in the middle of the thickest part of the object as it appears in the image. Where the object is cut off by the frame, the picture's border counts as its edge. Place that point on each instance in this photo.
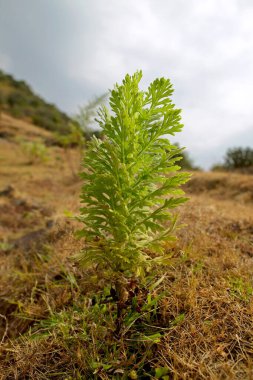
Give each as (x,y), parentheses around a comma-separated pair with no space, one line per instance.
(5,246)
(36,151)
(240,288)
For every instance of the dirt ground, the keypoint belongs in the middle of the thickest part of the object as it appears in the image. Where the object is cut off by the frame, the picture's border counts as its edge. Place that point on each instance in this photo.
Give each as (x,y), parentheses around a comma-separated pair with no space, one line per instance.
(210,277)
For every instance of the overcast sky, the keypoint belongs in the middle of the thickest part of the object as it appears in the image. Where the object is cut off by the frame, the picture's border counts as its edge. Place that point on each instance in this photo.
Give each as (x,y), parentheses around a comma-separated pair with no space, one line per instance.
(71,50)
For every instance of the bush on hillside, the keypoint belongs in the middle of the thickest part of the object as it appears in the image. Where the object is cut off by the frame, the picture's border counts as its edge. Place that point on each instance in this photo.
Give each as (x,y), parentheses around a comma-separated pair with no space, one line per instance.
(240,159)
(35,151)
(20,101)
(2,100)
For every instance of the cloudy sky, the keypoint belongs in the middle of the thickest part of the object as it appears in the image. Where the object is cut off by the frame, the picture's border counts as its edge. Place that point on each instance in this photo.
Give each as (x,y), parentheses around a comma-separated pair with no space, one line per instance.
(72,50)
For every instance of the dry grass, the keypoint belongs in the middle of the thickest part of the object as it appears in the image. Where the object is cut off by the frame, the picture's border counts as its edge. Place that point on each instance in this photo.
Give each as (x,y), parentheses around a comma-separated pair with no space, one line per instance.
(50,325)
(223,186)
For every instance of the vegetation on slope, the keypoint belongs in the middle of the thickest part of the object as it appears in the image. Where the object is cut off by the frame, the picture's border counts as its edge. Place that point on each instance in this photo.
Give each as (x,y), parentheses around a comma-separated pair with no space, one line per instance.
(237,159)
(18,99)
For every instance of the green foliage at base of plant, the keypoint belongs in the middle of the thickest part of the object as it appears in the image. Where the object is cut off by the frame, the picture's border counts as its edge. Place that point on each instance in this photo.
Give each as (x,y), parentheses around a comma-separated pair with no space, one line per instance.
(87,330)
(131,179)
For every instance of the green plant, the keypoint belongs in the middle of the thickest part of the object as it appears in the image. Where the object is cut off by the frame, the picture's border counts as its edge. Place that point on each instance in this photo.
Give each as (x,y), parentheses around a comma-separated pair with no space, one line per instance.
(240,288)
(75,137)
(1,103)
(35,151)
(131,181)
(20,101)
(5,246)
(239,158)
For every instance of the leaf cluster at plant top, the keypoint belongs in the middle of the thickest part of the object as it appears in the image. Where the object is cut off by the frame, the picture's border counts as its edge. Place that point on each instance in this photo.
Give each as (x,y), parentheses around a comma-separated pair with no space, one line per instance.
(131,179)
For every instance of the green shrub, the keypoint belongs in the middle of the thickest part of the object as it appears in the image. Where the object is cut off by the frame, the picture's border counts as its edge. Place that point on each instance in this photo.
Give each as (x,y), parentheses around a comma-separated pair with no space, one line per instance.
(21,85)
(35,151)
(239,158)
(42,120)
(23,103)
(75,137)
(15,99)
(1,99)
(130,179)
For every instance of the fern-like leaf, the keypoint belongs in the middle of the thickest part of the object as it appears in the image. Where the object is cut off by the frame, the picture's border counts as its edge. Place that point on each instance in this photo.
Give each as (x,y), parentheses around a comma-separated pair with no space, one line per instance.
(131,178)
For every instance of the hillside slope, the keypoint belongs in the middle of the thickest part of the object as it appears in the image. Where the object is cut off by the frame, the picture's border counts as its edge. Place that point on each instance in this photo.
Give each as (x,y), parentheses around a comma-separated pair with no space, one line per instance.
(19,100)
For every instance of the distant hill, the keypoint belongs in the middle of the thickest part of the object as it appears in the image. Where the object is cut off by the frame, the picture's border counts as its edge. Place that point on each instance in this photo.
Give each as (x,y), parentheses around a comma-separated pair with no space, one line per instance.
(18,99)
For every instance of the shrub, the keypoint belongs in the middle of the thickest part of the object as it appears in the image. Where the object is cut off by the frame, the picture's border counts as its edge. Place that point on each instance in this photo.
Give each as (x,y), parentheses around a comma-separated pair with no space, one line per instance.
(21,85)
(1,98)
(23,103)
(1,101)
(35,151)
(131,181)
(239,158)
(16,99)
(75,137)
(43,120)
(47,120)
